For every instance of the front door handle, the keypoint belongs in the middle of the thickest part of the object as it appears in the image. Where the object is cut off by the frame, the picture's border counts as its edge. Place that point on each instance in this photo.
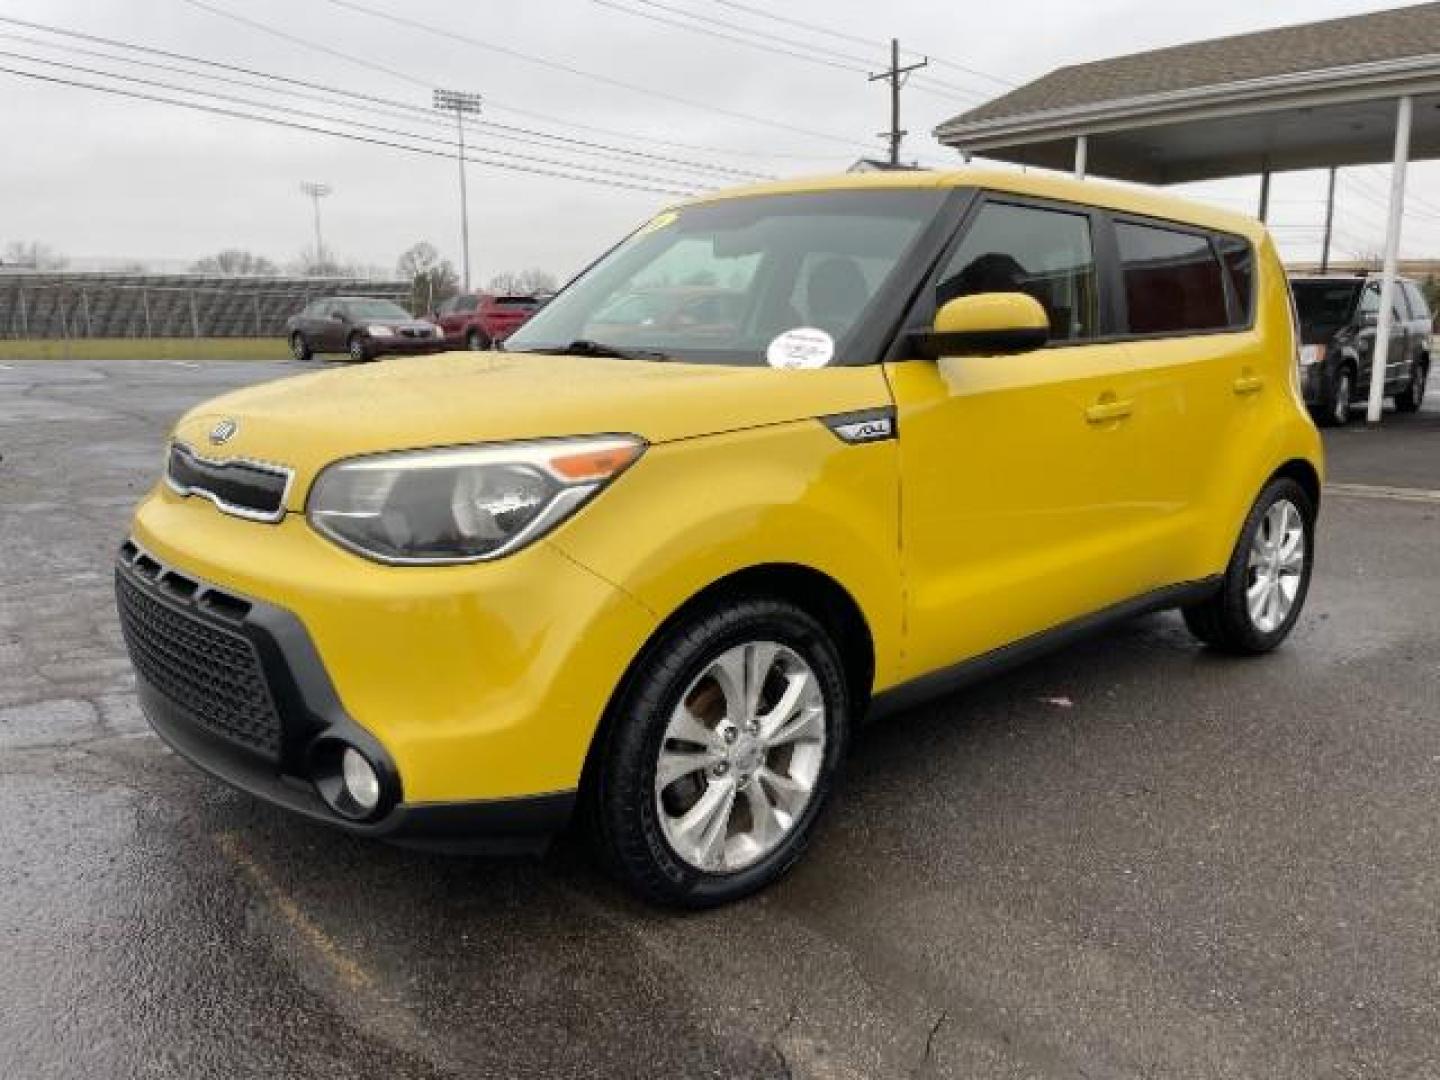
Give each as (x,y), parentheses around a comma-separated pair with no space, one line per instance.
(1249,384)
(1107,409)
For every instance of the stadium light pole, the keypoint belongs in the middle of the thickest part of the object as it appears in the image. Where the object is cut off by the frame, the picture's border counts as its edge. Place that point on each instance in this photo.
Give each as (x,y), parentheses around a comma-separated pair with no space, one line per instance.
(316,193)
(461,104)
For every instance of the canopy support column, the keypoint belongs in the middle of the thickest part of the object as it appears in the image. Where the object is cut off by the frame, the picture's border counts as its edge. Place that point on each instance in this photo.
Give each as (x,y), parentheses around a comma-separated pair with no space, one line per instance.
(1329,224)
(1381,356)
(1082,151)
(1264,212)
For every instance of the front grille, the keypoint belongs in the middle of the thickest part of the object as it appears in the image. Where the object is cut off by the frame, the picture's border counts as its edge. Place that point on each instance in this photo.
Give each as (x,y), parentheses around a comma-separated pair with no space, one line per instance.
(245,488)
(211,673)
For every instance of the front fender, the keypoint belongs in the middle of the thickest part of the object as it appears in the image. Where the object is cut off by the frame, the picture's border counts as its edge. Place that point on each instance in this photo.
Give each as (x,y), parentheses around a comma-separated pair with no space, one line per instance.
(697,510)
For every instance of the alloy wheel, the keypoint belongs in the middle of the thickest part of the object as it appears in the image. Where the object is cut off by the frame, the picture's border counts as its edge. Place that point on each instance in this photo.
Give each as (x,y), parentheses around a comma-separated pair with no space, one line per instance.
(740,757)
(1276,566)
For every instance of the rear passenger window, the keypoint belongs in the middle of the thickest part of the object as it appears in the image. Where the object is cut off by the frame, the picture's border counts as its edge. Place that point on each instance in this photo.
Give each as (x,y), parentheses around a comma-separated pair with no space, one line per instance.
(1172,280)
(1419,309)
(1239,259)
(1044,253)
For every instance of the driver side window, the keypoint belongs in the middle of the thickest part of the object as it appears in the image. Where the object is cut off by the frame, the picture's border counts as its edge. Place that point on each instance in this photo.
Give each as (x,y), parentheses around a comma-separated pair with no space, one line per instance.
(1043,253)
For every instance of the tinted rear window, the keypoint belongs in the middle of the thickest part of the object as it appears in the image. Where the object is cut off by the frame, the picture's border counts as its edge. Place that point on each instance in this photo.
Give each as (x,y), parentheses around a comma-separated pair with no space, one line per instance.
(1325,303)
(1239,259)
(1172,280)
(525,302)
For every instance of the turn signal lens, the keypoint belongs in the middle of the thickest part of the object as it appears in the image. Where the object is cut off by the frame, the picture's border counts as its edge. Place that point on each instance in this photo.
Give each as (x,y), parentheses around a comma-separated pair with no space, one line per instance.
(599,464)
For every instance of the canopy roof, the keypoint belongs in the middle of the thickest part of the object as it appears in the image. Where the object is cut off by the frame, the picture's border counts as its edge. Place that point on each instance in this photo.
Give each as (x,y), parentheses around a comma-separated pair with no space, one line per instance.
(1296,97)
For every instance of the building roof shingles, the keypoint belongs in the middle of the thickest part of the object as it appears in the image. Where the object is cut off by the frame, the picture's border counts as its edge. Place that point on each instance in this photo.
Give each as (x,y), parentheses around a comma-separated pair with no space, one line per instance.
(1319,46)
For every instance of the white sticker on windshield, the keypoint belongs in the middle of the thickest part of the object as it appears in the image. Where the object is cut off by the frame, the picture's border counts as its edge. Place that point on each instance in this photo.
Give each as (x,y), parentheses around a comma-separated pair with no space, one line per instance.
(806,347)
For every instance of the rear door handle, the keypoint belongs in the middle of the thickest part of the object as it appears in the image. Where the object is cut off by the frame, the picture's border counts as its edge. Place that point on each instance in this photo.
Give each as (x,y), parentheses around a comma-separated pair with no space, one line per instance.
(1249,384)
(1104,411)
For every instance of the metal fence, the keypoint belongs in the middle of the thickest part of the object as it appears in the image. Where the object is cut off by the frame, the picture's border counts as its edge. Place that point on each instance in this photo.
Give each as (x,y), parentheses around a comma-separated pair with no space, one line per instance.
(59,306)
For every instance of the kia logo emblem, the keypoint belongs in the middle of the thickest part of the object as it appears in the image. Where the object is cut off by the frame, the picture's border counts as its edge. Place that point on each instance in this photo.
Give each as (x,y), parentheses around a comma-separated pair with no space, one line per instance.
(224,431)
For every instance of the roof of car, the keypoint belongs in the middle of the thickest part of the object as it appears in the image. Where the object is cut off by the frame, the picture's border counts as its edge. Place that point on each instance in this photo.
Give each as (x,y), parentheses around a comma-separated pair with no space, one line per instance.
(1126,198)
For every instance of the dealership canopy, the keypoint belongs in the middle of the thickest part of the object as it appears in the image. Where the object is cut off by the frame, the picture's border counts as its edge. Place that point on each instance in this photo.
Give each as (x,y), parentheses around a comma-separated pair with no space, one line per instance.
(1358,90)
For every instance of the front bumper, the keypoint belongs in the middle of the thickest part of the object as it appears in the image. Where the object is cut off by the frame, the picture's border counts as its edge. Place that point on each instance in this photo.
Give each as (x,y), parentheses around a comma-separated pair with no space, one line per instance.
(307,713)
(403,346)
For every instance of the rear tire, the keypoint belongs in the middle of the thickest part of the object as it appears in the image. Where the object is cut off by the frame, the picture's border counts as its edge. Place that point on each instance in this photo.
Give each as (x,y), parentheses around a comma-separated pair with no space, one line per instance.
(1267,579)
(300,348)
(477,341)
(1412,397)
(1335,400)
(768,777)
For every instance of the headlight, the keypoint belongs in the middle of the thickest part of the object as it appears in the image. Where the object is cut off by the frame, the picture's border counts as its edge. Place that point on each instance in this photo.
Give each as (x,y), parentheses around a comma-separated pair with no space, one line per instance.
(381,331)
(462,504)
(1311,354)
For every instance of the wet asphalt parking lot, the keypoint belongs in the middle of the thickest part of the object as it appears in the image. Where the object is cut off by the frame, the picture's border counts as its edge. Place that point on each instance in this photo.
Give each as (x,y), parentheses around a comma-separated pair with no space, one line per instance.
(1131,859)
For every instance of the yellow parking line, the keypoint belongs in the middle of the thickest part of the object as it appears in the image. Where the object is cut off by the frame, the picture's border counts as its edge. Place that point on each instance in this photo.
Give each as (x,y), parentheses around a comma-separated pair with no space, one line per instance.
(351,973)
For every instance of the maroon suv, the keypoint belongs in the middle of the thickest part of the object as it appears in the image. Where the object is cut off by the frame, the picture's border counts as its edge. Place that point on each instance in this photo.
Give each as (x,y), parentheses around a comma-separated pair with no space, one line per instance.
(478,320)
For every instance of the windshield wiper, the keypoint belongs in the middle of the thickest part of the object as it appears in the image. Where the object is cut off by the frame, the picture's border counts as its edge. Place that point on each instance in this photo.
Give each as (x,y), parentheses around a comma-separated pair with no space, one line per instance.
(588,347)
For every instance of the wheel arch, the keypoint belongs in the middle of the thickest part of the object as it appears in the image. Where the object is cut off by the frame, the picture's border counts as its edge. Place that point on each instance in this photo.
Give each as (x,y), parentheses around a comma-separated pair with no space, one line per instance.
(1303,473)
(807,588)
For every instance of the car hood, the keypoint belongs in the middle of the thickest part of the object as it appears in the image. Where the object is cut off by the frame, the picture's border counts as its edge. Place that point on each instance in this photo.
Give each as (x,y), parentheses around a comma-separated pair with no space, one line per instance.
(309,421)
(398,324)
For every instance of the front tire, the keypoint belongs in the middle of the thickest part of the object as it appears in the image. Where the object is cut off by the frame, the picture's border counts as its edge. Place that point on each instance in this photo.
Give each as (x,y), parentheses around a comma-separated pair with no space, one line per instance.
(1267,579)
(1334,408)
(1412,397)
(357,349)
(721,754)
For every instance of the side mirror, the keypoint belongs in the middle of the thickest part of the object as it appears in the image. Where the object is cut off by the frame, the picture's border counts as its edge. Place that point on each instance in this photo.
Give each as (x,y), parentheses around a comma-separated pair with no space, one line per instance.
(986,324)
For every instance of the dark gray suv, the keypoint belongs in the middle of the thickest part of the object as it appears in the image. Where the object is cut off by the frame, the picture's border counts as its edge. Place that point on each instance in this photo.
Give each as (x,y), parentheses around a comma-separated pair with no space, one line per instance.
(360,327)
(1338,318)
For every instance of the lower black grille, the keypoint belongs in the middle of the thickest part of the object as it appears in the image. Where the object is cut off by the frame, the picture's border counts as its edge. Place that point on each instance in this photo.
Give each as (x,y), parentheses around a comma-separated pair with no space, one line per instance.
(211,673)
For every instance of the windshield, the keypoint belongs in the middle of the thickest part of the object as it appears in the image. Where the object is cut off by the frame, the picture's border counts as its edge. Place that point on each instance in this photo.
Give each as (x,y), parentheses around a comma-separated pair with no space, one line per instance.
(1325,303)
(375,309)
(721,282)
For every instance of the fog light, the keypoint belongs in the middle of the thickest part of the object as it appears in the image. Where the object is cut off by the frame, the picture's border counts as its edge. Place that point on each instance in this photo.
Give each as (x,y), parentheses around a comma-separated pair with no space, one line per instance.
(361,782)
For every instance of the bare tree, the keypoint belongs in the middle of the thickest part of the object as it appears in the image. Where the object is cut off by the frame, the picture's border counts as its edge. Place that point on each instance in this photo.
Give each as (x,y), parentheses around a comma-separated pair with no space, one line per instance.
(524,282)
(34,256)
(432,279)
(320,263)
(234,261)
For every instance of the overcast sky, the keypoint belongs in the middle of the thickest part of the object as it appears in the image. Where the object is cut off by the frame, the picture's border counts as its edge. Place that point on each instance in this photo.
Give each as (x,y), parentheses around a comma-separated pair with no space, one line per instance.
(101,177)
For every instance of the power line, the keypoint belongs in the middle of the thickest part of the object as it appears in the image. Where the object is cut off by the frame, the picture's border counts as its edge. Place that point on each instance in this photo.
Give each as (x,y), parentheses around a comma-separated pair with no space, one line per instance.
(490,160)
(849,58)
(762,46)
(308,115)
(845,62)
(855,39)
(402,109)
(451,35)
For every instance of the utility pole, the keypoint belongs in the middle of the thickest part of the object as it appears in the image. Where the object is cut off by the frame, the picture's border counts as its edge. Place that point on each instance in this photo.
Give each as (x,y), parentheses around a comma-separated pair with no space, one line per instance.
(461,104)
(316,193)
(896,78)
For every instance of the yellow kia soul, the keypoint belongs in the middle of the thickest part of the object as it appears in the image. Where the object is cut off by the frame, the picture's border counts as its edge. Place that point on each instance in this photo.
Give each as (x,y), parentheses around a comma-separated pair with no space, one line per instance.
(782,458)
